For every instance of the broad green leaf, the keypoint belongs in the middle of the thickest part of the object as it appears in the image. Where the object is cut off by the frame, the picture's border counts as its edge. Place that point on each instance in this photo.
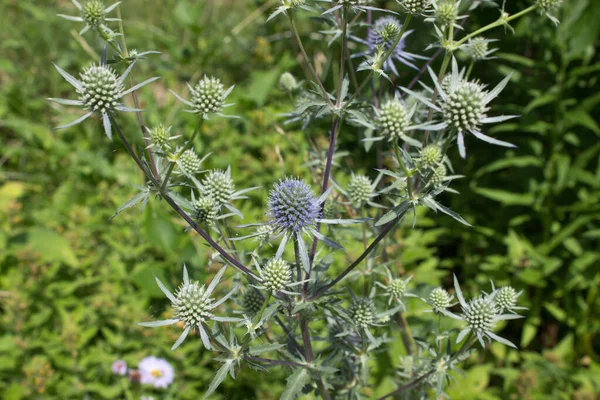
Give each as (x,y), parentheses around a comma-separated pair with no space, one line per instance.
(51,246)
(161,232)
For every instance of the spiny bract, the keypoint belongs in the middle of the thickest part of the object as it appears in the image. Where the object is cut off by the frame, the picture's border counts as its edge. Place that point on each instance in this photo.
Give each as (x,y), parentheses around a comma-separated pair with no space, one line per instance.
(100,88)
(293,205)
(465,107)
(219,186)
(276,274)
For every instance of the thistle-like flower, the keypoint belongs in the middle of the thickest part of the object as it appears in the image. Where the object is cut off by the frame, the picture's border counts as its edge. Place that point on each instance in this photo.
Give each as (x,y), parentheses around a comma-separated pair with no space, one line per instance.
(293,206)
(396,288)
(160,137)
(439,174)
(416,7)
(208,97)
(381,37)
(288,83)
(219,186)
(193,306)
(481,315)
(463,107)
(93,13)
(189,163)
(445,13)
(439,299)
(100,90)
(506,298)
(478,49)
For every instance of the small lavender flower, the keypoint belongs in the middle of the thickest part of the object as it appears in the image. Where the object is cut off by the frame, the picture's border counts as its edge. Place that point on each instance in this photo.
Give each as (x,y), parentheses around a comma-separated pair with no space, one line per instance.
(481,315)
(100,90)
(93,13)
(119,367)
(293,206)
(156,372)
(463,107)
(382,36)
(208,97)
(193,306)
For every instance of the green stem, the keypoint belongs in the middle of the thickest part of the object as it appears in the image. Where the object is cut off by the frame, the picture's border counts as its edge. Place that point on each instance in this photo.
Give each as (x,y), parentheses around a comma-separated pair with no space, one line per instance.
(186,147)
(406,171)
(307,60)
(499,22)
(470,69)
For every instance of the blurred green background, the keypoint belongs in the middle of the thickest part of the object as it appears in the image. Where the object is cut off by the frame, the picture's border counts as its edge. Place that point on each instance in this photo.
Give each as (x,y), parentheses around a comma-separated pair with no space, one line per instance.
(73,283)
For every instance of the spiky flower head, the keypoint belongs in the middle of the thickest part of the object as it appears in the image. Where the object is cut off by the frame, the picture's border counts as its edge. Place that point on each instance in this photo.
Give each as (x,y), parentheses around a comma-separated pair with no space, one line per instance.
(480,314)
(506,298)
(160,136)
(219,186)
(192,305)
(477,48)
(205,210)
(288,83)
(465,106)
(363,312)
(292,205)
(360,189)
(100,88)
(438,175)
(431,155)
(397,288)
(548,6)
(276,274)
(293,3)
(208,96)
(415,6)
(389,29)
(189,162)
(393,118)
(446,12)
(252,302)
(439,299)
(93,13)
(331,210)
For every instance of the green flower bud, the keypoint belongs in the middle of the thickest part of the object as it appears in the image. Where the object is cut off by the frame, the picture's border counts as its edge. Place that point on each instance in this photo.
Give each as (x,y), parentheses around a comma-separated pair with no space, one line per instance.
(287,82)
(360,190)
(480,315)
(363,312)
(219,186)
(415,6)
(189,163)
(397,288)
(208,96)
(548,6)
(93,13)
(446,12)
(205,210)
(264,233)
(465,107)
(506,298)
(477,48)
(392,119)
(276,274)
(389,32)
(438,176)
(160,137)
(100,88)
(192,305)
(439,299)
(431,155)
(252,302)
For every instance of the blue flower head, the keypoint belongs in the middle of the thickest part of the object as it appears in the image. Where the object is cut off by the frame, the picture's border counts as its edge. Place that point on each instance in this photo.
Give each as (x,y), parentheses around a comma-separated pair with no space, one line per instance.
(293,206)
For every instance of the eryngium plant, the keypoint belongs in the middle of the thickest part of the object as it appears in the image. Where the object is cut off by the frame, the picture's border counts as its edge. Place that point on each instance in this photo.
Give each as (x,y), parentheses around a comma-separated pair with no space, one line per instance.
(323,334)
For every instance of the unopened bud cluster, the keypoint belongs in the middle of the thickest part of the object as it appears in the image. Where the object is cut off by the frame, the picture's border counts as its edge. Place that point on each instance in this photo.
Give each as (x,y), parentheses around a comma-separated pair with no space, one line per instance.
(276,274)
(439,173)
(465,107)
(506,298)
(160,136)
(439,299)
(446,12)
(389,31)
(480,314)
(415,6)
(477,48)
(189,162)
(287,82)
(252,302)
(431,155)
(205,210)
(363,312)
(93,13)
(548,5)
(100,88)
(397,288)
(219,186)
(360,190)
(392,118)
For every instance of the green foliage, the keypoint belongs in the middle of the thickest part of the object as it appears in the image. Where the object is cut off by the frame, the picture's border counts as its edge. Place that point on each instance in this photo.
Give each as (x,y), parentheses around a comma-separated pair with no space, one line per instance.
(73,284)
